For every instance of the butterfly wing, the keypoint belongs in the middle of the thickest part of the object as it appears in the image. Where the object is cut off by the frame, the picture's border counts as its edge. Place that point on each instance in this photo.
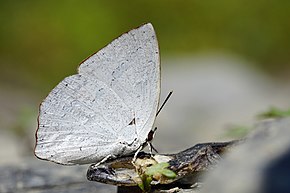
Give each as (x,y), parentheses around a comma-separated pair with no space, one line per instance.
(108,108)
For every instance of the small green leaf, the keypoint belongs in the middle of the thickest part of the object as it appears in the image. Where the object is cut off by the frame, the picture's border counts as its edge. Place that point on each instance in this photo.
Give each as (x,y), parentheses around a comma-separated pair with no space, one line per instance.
(151,172)
(157,168)
(168,173)
(145,186)
(141,186)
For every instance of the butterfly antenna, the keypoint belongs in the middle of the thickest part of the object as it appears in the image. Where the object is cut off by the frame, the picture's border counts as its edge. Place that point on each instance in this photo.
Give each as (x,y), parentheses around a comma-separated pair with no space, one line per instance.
(168,96)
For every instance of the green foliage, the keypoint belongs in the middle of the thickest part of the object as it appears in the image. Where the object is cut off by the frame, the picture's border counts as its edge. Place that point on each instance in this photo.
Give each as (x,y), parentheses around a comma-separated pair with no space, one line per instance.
(145,186)
(151,172)
(25,119)
(46,40)
(160,168)
(274,112)
(238,131)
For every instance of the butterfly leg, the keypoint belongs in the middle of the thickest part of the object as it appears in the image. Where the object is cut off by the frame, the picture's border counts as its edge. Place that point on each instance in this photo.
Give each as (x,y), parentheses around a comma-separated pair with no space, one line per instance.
(151,147)
(103,160)
(136,154)
(149,140)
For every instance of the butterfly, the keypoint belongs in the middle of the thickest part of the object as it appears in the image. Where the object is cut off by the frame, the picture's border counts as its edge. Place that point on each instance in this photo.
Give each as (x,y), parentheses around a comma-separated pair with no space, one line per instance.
(108,108)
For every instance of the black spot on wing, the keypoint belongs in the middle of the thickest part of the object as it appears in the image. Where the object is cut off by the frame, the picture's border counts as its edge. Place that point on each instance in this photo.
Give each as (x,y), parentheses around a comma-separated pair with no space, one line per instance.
(133,122)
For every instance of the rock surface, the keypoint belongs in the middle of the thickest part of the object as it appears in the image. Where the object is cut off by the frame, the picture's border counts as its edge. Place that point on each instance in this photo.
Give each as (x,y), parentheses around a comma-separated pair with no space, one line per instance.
(44,177)
(261,165)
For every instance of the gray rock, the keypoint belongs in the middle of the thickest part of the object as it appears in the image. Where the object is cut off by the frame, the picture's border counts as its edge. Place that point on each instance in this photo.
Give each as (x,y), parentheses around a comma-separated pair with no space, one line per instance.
(262,164)
(44,177)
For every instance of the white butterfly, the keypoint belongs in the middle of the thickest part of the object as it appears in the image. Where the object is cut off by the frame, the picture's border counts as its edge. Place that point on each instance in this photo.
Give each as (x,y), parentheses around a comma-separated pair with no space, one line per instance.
(108,108)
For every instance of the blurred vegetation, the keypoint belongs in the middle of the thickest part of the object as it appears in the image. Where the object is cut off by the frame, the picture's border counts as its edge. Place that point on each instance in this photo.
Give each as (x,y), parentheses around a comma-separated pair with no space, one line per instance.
(240,131)
(274,112)
(237,131)
(25,118)
(44,41)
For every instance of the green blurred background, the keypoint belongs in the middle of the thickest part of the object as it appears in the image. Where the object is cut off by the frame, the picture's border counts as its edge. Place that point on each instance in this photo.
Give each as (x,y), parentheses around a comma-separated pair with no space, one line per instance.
(43,41)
